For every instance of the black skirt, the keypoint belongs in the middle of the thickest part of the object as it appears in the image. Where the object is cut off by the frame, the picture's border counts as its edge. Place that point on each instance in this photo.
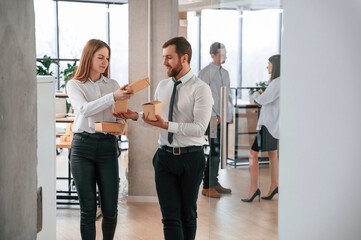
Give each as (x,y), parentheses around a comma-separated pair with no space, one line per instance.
(264,141)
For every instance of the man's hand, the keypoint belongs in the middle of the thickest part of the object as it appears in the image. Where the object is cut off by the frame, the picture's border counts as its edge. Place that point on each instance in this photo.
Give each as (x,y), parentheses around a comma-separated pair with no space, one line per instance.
(127,115)
(159,123)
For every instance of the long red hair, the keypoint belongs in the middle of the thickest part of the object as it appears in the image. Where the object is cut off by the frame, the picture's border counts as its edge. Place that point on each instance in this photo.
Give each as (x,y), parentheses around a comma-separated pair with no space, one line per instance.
(91,47)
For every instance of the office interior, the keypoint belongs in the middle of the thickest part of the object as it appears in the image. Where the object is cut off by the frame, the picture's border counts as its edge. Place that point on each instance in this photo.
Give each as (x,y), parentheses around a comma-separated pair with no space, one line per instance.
(319,122)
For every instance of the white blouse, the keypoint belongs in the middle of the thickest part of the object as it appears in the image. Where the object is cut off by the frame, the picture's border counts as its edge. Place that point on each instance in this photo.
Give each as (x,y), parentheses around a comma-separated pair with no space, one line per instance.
(270,111)
(92,102)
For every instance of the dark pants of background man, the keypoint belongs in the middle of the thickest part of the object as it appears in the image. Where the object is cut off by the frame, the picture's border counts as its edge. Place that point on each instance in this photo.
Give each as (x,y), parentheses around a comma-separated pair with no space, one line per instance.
(177,181)
(94,161)
(210,178)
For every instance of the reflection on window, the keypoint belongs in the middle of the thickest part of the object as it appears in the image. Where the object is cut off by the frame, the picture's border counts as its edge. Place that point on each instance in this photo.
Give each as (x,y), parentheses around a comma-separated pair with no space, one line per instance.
(119,43)
(79,22)
(221,26)
(193,39)
(45,30)
(261,39)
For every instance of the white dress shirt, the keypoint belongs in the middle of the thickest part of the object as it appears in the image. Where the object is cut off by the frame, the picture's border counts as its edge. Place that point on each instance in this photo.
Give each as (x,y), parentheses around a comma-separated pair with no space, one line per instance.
(191,112)
(270,111)
(217,77)
(92,102)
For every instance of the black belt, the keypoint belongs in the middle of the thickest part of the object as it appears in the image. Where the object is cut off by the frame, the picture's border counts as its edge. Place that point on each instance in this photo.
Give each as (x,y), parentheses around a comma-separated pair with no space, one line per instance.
(181,150)
(97,135)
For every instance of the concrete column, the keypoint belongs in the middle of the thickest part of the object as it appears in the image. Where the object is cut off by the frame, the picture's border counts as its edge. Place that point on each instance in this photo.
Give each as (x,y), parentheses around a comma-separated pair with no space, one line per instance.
(320,141)
(18,120)
(151,23)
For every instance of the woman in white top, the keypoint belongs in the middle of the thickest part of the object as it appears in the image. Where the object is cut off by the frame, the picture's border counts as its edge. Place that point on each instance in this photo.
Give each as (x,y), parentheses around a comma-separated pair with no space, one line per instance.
(268,135)
(93,156)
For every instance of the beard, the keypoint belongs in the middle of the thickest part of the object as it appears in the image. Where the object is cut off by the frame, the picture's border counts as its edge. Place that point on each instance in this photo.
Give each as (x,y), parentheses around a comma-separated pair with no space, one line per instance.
(176,70)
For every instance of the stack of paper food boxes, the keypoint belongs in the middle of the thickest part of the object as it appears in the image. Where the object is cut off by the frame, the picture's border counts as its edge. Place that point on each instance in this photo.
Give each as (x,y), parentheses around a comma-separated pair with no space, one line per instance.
(68,137)
(122,106)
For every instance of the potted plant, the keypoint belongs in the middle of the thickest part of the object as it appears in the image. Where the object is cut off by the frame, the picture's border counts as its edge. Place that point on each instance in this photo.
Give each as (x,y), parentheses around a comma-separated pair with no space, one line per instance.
(68,73)
(43,68)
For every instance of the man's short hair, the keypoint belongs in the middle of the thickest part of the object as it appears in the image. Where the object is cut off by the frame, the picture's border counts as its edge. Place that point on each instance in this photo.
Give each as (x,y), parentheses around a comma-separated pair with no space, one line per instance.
(215,46)
(182,46)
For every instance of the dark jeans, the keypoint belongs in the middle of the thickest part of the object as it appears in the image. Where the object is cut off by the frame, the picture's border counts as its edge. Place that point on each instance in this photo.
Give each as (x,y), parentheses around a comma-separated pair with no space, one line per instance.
(210,178)
(177,181)
(94,161)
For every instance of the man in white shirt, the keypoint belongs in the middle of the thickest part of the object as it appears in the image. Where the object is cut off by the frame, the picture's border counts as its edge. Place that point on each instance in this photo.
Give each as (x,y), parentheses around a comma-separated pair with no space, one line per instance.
(179,161)
(216,77)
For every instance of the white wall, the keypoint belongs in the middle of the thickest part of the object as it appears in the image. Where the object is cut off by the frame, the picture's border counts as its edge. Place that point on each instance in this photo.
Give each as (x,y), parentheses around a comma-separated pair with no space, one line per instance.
(46,154)
(320,158)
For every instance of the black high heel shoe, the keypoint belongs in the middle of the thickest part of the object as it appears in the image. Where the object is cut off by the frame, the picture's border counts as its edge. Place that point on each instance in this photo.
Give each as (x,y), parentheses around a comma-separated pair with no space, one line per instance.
(272,194)
(256,193)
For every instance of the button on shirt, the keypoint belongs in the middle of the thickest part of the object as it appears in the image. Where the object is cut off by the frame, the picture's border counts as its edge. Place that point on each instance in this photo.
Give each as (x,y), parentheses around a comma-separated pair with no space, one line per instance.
(270,112)
(217,77)
(191,112)
(92,102)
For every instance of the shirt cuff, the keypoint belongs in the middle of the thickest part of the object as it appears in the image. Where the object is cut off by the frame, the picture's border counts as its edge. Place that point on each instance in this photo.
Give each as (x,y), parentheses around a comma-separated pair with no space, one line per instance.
(110,98)
(140,114)
(172,127)
(255,94)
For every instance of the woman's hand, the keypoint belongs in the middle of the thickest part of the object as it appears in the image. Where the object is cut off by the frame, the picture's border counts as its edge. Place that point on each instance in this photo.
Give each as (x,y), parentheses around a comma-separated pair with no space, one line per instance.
(122,93)
(127,115)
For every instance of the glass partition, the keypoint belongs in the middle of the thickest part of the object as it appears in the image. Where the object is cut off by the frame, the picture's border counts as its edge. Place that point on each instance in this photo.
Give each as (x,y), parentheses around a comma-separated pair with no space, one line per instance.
(251,35)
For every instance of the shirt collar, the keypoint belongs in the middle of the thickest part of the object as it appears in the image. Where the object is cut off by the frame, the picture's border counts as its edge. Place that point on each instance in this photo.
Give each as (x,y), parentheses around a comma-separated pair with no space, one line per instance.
(215,66)
(185,78)
(102,79)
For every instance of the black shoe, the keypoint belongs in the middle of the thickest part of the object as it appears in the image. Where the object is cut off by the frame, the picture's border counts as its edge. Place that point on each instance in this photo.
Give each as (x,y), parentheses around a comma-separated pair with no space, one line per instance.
(256,193)
(272,194)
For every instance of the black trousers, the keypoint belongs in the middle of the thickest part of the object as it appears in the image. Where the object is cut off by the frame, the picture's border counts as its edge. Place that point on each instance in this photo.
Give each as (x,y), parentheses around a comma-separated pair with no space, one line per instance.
(177,181)
(94,161)
(210,178)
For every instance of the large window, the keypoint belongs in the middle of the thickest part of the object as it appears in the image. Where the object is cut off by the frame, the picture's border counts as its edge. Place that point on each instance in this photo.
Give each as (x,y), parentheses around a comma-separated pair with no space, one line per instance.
(222,26)
(63,28)
(261,39)
(250,37)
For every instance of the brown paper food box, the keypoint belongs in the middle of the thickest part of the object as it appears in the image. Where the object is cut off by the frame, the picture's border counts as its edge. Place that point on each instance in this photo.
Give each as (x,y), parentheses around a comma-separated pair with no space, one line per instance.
(109,127)
(151,109)
(121,106)
(68,137)
(139,84)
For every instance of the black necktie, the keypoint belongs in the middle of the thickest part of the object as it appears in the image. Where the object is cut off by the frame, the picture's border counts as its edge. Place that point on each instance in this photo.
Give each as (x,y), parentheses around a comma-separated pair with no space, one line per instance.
(170,114)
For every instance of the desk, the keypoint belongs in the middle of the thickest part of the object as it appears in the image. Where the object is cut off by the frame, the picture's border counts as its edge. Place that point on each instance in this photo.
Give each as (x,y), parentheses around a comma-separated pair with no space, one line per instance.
(69,194)
(241,135)
(64,120)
